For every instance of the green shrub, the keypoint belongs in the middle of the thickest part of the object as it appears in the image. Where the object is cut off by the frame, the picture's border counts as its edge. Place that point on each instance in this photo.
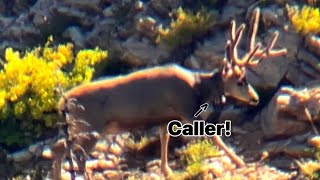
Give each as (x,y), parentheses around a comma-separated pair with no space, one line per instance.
(194,156)
(184,28)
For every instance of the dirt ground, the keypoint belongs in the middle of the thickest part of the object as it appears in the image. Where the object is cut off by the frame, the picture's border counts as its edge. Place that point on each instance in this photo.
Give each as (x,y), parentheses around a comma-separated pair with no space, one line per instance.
(143,162)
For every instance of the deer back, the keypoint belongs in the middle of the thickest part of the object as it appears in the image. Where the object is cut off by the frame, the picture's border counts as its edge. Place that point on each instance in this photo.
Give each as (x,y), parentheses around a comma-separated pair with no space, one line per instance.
(144,98)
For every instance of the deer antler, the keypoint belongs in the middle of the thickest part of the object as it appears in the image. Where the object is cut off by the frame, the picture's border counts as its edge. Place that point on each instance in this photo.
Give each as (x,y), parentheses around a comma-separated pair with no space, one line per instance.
(255,54)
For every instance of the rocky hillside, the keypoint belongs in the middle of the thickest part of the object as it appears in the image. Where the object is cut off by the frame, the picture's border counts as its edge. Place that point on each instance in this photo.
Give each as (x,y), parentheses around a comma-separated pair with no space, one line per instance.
(194,34)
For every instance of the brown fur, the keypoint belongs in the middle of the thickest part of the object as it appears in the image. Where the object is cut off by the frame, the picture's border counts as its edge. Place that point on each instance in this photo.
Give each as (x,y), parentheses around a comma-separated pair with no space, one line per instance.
(148,97)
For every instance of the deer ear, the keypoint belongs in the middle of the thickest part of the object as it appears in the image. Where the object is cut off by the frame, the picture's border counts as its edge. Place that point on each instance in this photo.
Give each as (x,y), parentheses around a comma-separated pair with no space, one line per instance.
(224,72)
(225,66)
(229,73)
(243,73)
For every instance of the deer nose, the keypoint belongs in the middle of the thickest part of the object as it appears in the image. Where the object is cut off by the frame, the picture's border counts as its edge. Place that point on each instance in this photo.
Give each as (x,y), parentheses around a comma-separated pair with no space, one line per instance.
(254,102)
(254,96)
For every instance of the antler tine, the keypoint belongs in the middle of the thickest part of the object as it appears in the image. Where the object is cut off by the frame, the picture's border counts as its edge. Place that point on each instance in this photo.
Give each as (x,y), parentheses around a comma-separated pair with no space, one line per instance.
(255,54)
(273,41)
(228,51)
(234,45)
(238,35)
(227,60)
(235,35)
(268,51)
(249,57)
(274,53)
(255,51)
(254,23)
(232,30)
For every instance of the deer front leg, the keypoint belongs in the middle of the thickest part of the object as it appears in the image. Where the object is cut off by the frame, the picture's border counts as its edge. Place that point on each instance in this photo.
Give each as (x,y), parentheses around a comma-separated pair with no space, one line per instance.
(164,139)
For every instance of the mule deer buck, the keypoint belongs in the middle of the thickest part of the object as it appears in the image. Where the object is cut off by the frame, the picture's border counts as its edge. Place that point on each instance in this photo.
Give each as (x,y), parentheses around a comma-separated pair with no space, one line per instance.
(155,96)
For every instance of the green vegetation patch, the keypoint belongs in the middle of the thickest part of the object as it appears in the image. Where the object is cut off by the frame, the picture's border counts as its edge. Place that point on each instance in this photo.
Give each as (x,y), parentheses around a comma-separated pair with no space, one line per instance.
(194,156)
(185,28)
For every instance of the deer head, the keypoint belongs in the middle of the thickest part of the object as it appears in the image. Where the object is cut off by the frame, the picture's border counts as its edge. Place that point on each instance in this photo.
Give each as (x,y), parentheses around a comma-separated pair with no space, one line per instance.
(233,74)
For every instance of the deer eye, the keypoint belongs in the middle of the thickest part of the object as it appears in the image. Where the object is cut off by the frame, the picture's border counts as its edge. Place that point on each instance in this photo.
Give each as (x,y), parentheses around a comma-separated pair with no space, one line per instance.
(240,83)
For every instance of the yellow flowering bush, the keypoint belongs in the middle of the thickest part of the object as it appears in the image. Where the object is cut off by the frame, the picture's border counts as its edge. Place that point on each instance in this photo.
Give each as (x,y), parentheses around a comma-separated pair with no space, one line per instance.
(194,156)
(184,28)
(28,82)
(305,20)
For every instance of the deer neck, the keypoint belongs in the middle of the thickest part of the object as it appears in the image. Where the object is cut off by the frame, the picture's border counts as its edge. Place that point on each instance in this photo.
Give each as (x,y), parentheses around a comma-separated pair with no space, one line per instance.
(209,86)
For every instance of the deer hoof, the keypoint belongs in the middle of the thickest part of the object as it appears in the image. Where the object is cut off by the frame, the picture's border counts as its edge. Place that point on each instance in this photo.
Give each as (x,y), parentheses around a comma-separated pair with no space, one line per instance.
(166,171)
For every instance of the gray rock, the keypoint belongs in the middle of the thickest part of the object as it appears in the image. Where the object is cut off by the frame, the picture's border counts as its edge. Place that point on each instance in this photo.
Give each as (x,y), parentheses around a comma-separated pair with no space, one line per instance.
(74,34)
(296,76)
(2,7)
(108,11)
(235,115)
(268,74)
(75,14)
(84,4)
(208,55)
(313,44)
(103,34)
(240,3)
(311,60)
(142,53)
(271,71)
(164,7)
(302,103)
(288,39)
(231,12)
(20,6)
(273,16)
(275,123)
(290,111)
(305,69)
(5,21)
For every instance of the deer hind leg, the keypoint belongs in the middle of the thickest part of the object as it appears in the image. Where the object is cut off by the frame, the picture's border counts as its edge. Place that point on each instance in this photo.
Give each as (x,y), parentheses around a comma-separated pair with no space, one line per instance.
(164,139)
(58,151)
(56,168)
(218,141)
(233,156)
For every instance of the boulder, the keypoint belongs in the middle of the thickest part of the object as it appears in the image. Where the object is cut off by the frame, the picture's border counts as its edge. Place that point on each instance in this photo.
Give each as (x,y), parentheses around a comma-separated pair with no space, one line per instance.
(142,52)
